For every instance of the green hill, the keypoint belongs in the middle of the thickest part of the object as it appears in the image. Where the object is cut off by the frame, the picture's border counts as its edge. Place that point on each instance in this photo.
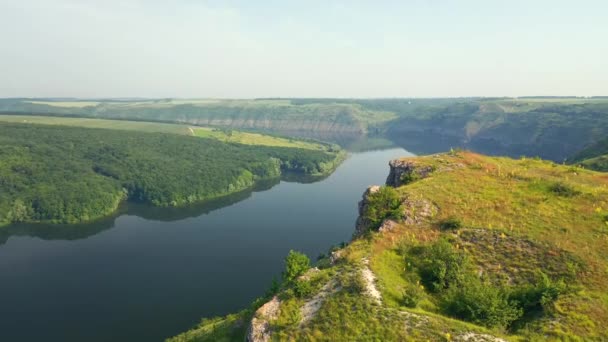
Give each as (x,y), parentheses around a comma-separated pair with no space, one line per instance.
(457,247)
(594,157)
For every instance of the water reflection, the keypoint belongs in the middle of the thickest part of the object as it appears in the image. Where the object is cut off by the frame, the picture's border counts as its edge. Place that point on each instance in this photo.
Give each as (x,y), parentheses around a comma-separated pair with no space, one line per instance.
(85,230)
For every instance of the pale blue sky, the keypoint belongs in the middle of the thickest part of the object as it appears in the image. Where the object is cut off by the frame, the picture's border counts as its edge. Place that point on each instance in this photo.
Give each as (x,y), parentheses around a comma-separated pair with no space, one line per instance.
(243,49)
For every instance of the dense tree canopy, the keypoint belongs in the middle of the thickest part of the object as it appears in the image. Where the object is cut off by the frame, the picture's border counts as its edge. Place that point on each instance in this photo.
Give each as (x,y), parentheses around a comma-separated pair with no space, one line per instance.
(71,174)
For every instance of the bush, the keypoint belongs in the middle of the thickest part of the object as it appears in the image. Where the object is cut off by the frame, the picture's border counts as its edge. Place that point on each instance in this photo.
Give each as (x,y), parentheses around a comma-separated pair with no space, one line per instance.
(481,303)
(412,295)
(296,264)
(409,177)
(450,223)
(539,296)
(302,288)
(382,204)
(563,190)
(441,266)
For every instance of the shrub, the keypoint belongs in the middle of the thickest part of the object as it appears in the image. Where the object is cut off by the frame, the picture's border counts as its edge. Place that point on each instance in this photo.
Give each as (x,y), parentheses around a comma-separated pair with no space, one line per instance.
(412,295)
(540,295)
(296,264)
(382,204)
(409,177)
(302,288)
(450,223)
(480,303)
(563,190)
(441,266)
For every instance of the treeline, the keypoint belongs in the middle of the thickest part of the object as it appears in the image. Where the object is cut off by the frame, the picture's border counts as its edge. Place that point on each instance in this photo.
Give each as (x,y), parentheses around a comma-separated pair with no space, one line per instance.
(71,174)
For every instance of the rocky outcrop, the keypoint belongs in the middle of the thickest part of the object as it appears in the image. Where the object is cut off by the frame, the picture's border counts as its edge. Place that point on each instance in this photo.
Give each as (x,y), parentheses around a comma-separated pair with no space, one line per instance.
(312,306)
(404,171)
(362,225)
(260,329)
(417,210)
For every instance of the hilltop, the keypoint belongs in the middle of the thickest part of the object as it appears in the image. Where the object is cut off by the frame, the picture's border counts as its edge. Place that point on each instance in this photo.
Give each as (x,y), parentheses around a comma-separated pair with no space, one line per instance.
(455,247)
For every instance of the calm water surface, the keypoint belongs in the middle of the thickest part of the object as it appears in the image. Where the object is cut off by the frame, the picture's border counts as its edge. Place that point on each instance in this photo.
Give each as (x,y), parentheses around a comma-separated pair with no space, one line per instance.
(149,273)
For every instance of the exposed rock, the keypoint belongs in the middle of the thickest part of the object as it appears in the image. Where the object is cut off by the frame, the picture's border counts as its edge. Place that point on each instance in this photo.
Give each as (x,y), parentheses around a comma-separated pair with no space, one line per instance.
(370,282)
(403,171)
(362,225)
(308,274)
(473,337)
(335,256)
(387,226)
(417,210)
(311,307)
(259,329)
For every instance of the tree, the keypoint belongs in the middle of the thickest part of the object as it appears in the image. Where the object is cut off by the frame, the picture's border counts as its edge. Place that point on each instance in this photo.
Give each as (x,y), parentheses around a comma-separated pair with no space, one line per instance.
(296,264)
(382,204)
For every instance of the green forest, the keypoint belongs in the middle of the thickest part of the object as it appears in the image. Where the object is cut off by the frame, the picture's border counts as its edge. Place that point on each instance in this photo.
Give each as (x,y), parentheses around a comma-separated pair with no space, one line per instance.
(66,174)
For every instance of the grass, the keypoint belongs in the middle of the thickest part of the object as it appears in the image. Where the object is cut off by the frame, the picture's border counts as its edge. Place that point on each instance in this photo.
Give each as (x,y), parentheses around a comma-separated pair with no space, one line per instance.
(99,123)
(218,329)
(517,218)
(68,104)
(248,138)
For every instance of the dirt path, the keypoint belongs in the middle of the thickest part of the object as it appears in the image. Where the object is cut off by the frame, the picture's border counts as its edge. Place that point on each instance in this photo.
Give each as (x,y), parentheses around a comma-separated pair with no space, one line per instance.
(370,282)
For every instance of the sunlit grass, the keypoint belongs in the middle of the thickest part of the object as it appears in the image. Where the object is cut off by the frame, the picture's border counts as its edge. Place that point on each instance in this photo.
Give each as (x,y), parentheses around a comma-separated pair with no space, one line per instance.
(98,123)
(254,138)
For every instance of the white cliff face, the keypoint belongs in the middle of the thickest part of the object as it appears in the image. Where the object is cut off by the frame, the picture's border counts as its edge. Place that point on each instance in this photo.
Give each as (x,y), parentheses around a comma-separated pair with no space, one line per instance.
(260,329)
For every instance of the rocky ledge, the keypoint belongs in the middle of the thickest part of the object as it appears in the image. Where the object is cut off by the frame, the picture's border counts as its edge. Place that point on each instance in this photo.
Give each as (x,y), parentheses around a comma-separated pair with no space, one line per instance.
(404,171)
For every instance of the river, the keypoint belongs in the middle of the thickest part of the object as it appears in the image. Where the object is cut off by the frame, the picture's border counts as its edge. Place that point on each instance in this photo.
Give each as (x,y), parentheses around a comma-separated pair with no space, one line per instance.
(149,273)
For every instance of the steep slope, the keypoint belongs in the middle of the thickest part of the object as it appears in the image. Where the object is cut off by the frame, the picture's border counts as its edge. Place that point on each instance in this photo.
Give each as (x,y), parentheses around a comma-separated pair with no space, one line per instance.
(456,247)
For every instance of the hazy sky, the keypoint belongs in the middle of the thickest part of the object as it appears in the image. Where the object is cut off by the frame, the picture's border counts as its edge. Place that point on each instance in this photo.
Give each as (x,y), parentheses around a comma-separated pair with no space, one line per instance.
(248,48)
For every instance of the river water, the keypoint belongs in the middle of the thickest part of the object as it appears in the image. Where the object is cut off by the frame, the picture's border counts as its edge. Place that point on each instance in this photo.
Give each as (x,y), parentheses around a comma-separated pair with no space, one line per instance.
(149,273)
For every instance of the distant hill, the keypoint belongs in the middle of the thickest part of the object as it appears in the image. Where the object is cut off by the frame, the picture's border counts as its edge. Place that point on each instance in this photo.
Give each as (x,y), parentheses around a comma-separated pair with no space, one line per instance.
(555,128)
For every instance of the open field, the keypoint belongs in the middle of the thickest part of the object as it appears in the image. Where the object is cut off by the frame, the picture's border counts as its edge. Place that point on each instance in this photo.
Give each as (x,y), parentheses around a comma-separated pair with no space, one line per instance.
(69,104)
(248,138)
(99,123)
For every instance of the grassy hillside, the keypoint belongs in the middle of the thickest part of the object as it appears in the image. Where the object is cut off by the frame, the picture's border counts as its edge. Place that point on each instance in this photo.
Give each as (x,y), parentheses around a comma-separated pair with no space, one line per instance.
(554,128)
(141,126)
(469,248)
(248,138)
(74,174)
(594,157)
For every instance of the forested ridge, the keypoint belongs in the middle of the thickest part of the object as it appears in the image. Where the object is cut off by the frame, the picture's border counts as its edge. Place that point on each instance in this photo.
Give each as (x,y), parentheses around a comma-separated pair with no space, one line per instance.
(70,174)
(555,128)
